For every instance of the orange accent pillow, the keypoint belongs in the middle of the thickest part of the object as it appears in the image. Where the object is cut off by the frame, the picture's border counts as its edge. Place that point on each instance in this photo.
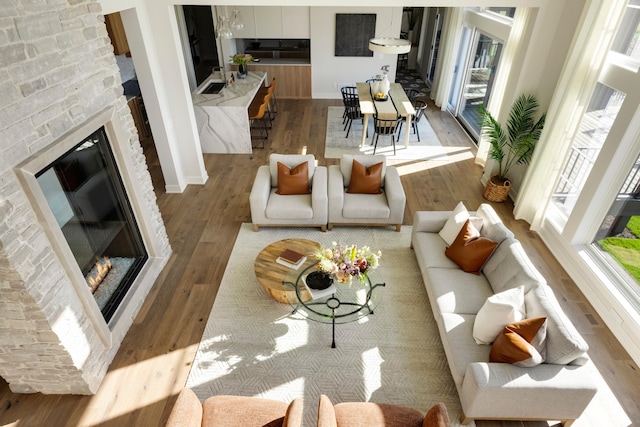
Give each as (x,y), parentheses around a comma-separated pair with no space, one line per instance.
(470,251)
(294,180)
(522,343)
(365,180)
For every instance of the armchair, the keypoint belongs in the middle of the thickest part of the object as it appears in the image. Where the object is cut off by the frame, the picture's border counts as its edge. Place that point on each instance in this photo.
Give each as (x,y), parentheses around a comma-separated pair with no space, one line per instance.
(269,208)
(229,411)
(383,209)
(378,414)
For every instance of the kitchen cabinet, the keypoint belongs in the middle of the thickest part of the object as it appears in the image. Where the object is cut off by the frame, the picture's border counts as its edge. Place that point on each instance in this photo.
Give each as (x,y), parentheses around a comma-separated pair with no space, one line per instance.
(248,20)
(268,22)
(115,30)
(292,81)
(273,22)
(295,22)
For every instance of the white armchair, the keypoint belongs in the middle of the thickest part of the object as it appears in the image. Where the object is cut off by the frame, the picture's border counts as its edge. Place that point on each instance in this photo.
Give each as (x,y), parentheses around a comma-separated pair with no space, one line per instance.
(268,208)
(384,209)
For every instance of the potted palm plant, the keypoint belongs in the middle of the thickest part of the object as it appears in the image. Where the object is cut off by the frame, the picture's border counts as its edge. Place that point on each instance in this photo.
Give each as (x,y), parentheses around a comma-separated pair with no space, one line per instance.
(511,147)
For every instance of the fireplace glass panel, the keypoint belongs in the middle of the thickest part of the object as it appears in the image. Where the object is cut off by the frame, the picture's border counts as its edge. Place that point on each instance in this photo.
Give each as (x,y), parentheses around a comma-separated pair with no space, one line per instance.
(85,193)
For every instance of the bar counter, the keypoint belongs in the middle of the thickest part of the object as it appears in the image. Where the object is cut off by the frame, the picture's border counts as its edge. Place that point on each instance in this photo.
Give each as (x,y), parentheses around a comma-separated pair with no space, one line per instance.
(222,118)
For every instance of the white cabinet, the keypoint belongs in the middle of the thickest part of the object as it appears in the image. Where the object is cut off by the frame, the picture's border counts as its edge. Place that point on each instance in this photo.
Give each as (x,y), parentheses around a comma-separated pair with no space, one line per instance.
(248,19)
(268,22)
(295,22)
(273,22)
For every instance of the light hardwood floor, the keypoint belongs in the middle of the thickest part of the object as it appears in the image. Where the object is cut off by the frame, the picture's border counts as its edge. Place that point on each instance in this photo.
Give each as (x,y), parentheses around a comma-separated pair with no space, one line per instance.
(154,361)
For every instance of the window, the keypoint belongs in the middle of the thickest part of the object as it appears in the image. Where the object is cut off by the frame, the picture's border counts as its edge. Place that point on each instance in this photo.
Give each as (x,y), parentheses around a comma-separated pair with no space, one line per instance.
(626,40)
(504,11)
(618,237)
(594,129)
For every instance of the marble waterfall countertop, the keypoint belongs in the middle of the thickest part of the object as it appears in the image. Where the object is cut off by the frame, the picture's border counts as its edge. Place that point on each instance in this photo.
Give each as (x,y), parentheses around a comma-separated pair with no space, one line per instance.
(222,118)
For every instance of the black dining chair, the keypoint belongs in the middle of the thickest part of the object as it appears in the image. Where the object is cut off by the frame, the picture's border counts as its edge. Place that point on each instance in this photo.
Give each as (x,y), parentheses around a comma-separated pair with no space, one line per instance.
(412,94)
(420,107)
(384,127)
(352,111)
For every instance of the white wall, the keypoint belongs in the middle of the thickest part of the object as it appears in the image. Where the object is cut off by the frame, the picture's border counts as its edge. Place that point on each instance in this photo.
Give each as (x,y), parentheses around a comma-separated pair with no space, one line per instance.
(330,72)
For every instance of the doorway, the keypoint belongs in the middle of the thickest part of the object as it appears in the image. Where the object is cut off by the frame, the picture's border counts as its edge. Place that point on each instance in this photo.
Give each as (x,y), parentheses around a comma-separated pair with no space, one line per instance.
(475,70)
(200,31)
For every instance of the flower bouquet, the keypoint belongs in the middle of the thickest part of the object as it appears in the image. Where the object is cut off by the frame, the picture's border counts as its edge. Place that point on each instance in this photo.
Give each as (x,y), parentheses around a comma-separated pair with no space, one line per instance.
(345,262)
(242,59)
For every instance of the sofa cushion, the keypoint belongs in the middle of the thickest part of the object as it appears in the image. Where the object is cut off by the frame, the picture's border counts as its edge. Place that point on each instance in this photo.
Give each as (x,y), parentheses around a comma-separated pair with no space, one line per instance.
(455,330)
(497,312)
(365,180)
(521,343)
(565,345)
(297,206)
(429,249)
(291,160)
(510,267)
(366,206)
(293,180)
(492,226)
(346,163)
(469,250)
(455,291)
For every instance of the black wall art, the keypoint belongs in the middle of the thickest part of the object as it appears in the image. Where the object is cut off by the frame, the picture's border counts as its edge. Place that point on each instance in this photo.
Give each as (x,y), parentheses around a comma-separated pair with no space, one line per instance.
(353,31)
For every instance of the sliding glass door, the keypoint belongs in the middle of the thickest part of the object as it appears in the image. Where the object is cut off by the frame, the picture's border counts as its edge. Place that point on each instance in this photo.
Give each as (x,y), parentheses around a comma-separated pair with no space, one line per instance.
(475,71)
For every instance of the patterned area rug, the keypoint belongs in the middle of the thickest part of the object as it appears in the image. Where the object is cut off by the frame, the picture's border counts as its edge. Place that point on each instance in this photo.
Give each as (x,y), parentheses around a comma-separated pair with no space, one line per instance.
(254,346)
(336,143)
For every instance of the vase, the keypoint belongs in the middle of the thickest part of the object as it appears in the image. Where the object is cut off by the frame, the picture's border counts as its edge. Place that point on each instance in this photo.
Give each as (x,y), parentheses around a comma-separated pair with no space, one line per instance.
(243,71)
(381,86)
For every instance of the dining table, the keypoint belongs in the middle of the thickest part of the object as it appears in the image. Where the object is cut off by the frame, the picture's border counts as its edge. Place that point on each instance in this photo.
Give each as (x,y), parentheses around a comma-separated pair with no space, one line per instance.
(396,104)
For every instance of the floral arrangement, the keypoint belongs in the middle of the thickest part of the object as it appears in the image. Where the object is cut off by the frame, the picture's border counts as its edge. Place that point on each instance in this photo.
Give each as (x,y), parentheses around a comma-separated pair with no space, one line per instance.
(241,59)
(345,262)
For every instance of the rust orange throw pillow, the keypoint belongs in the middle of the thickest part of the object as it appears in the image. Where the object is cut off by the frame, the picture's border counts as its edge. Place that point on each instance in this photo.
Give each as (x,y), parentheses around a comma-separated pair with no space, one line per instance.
(294,180)
(365,180)
(470,251)
(522,344)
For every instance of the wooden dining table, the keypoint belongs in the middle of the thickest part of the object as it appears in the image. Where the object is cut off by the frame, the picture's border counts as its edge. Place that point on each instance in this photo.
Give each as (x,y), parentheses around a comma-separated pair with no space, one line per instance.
(398,104)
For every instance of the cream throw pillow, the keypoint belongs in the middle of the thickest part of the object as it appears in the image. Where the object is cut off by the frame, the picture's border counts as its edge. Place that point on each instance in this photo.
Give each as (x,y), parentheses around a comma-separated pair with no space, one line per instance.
(454,224)
(498,311)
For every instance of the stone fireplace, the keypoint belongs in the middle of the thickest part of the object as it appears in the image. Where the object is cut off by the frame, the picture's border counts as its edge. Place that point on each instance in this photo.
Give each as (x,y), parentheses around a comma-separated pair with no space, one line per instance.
(60,84)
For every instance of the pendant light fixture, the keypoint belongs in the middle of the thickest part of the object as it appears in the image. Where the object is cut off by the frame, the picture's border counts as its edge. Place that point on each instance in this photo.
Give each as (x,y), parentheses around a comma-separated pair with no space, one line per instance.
(389,45)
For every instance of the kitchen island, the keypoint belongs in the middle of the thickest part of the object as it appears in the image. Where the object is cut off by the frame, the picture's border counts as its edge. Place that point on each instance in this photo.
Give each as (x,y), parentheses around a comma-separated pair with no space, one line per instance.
(222,113)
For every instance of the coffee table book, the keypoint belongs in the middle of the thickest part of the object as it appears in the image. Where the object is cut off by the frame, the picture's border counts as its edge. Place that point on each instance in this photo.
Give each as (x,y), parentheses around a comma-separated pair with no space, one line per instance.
(291,259)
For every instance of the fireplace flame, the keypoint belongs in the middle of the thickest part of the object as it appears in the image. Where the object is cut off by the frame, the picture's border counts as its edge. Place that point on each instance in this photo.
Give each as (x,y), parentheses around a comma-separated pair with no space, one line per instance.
(98,273)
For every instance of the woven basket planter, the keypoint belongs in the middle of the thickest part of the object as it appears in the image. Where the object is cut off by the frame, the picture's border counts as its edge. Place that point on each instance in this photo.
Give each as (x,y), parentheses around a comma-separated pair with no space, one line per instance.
(496,190)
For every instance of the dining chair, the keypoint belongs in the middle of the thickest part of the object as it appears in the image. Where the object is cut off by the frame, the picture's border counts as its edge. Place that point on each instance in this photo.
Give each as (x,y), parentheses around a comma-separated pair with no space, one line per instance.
(384,127)
(352,112)
(412,94)
(420,107)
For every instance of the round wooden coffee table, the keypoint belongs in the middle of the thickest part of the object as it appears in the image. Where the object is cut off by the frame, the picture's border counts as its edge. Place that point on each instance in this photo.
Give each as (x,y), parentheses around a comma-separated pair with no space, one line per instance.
(270,274)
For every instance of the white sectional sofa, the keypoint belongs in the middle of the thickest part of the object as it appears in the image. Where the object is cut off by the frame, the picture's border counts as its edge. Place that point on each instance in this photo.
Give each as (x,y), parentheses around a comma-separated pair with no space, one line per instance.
(559,388)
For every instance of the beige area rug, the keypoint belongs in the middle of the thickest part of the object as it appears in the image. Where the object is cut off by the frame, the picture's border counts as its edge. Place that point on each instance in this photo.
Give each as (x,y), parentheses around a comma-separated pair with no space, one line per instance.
(336,144)
(253,345)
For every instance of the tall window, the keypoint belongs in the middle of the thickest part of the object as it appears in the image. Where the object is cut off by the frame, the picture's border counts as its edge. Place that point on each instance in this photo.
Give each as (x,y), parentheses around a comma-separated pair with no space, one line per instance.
(627,39)
(593,131)
(618,237)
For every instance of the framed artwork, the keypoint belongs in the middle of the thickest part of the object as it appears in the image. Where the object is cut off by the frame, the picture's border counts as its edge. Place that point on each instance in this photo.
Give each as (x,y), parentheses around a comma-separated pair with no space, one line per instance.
(353,31)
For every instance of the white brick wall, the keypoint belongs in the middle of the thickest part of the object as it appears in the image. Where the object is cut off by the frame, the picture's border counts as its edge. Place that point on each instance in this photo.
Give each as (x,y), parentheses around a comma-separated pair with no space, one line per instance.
(56,70)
